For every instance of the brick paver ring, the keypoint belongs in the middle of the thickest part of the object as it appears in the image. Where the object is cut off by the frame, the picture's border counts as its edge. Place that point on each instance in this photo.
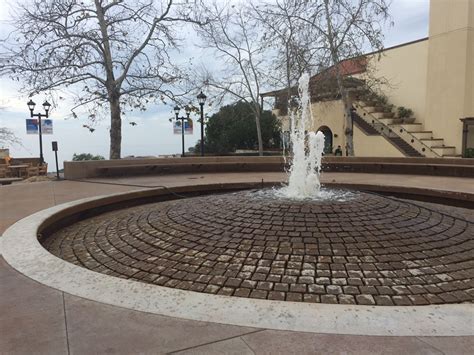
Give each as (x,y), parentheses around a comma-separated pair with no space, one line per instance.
(367,250)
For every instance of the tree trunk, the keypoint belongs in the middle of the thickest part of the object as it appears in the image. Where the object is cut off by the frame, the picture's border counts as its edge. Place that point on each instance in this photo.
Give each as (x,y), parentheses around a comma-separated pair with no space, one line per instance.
(340,83)
(349,130)
(115,129)
(112,88)
(259,131)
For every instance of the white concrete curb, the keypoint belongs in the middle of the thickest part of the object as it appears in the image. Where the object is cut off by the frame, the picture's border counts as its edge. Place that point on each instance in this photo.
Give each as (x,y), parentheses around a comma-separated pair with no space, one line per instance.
(21,249)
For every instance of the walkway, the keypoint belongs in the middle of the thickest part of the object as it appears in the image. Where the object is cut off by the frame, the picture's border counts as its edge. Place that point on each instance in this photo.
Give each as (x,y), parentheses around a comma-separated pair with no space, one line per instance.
(38,319)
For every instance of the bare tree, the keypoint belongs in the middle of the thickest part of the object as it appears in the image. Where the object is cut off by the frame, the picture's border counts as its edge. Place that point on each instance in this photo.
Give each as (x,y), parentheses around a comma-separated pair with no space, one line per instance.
(347,29)
(7,136)
(233,35)
(115,52)
(293,41)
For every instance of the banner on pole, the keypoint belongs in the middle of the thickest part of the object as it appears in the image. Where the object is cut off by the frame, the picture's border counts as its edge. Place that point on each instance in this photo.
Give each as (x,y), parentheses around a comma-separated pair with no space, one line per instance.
(47,126)
(188,127)
(32,126)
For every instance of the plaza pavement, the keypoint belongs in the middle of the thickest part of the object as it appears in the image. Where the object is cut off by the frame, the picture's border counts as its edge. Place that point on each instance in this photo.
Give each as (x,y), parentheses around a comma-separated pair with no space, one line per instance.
(35,319)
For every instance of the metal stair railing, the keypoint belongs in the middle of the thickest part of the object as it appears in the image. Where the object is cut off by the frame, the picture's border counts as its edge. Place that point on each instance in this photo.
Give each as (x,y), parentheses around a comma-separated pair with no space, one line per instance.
(387,131)
(364,125)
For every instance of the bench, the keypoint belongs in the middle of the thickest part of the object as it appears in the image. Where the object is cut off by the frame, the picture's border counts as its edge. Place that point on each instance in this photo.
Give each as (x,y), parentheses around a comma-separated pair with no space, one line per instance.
(8,181)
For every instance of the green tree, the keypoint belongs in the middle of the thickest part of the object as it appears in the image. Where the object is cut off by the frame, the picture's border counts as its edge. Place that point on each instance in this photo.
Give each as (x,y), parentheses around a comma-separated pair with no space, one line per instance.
(233,127)
(86,156)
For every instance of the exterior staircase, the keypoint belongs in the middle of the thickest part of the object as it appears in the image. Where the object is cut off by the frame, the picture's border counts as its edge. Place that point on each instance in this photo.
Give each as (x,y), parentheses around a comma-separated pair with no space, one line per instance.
(408,138)
(364,126)
(406,148)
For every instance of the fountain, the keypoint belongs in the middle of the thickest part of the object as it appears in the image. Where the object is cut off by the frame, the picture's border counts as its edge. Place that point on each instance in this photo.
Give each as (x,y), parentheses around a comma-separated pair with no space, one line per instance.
(299,242)
(307,149)
(307,152)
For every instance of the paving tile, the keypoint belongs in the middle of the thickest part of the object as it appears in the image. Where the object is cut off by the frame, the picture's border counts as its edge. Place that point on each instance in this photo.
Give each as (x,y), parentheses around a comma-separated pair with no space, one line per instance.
(98,328)
(31,316)
(235,346)
(280,342)
(451,345)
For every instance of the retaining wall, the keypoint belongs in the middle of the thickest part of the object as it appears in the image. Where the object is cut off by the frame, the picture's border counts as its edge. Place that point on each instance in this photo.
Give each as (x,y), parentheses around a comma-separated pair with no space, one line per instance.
(133,167)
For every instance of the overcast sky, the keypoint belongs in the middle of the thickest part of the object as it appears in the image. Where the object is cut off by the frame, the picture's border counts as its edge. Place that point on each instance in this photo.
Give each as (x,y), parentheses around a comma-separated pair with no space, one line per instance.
(153,134)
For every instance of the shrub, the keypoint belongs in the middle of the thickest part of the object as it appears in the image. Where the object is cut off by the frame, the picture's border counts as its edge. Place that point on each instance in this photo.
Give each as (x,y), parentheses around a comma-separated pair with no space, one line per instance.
(86,156)
(469,153)
(403,112)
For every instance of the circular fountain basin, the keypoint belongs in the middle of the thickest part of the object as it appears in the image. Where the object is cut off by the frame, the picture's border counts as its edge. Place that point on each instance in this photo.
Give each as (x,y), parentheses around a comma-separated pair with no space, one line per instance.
(284,263)
(362,249)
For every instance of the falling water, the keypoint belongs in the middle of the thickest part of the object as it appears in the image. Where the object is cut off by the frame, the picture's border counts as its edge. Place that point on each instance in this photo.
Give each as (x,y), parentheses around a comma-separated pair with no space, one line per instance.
(307,149)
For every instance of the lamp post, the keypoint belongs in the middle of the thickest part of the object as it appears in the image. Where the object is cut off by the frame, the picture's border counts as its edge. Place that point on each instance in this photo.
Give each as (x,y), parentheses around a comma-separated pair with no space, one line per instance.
(202,99)
(46,105)
(182,118)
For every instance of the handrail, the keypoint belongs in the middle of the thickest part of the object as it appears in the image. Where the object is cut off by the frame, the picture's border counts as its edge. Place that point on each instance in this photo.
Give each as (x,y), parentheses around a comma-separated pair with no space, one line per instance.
(418,139)
(392,130)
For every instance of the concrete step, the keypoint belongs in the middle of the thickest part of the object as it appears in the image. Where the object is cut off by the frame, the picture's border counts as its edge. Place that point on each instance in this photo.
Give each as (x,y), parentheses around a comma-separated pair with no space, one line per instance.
(408,120)
(360,103)
(444,150)
(412,127)
(390,121)
(381,115)
(433,142)
(378,114)
(374,109)
(423,134)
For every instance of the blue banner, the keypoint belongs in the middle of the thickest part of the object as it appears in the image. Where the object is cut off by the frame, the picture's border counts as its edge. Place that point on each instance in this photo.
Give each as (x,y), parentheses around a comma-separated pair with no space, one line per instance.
(32,126)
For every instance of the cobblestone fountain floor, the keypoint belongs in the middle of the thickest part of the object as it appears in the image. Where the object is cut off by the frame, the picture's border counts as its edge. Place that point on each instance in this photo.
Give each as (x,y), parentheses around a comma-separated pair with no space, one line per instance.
(367,250)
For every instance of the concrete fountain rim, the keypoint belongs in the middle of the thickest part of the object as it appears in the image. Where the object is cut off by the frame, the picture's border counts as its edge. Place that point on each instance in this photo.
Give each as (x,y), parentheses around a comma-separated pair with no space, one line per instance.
(22,250)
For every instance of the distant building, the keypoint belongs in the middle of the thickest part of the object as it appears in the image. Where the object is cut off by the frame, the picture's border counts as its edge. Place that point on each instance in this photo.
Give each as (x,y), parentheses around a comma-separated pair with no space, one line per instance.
(4,153)
(433,77)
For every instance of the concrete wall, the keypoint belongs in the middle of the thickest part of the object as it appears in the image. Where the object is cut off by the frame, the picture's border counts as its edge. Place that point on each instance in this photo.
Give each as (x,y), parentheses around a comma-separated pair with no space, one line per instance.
(92,168)
(330,114)
(450,80)
(433,77)
(198,165)
(405,70)
(373,146)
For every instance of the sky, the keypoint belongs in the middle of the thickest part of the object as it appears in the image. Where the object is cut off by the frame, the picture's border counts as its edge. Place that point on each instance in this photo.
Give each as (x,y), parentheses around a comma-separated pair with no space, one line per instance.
(153,134)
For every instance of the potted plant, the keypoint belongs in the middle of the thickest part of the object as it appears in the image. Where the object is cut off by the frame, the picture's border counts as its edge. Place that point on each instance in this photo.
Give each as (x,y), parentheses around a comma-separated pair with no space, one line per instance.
(405,114)
(382,100)
(388,108)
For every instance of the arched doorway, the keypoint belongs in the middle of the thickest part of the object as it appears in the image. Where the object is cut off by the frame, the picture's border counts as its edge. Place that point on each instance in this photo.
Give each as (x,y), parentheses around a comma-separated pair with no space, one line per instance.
(327,138)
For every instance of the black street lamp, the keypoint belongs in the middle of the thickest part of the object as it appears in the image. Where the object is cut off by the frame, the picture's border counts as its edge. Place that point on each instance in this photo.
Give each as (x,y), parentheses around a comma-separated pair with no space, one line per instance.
(188,112)
(202,99)
(46,105)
